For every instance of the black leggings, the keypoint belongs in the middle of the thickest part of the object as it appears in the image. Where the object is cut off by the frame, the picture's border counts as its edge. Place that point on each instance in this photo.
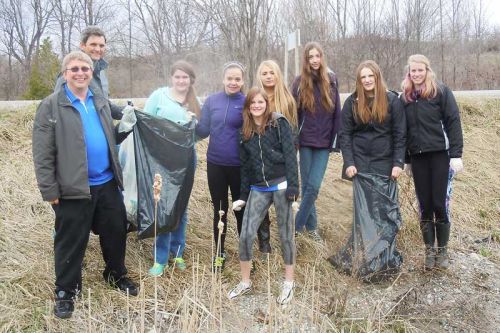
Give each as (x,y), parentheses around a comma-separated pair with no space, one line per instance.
(430,174)
(220,179)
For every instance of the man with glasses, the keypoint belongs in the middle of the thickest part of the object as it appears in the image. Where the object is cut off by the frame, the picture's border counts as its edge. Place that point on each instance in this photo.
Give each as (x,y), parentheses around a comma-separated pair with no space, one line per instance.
(78,173)
(93,43)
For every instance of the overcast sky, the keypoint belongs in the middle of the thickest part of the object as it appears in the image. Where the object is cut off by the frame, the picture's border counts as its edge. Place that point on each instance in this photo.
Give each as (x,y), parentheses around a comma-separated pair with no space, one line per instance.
(492,11)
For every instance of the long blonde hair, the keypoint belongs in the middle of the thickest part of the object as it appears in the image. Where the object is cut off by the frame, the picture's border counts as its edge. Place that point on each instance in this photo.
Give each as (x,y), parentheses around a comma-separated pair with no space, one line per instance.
(306,87)
(430,87)
(249,126)
(282,99)
(192,101)
(378,111)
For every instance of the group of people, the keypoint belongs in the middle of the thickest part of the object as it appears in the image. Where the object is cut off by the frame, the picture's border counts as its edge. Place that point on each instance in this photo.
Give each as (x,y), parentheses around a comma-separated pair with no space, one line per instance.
(253,145)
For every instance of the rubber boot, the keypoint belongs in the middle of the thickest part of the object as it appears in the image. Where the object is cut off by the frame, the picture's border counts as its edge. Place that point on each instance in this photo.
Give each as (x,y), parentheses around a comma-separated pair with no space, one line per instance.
(264,236)
(442,235)
(428,235)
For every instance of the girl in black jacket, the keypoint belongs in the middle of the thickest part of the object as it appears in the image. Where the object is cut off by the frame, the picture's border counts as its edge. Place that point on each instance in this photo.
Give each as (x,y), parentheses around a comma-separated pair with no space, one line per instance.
(434,146)
(372,140)
(269,174)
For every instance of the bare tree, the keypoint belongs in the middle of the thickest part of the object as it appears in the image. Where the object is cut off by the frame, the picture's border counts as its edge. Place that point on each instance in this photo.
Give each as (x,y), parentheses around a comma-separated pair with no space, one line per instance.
(65,14)
(23,24)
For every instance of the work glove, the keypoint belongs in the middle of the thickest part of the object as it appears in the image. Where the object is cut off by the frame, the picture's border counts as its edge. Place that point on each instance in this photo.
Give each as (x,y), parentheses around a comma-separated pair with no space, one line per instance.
(408,171)
(456,165)
(238,205)
(128,120)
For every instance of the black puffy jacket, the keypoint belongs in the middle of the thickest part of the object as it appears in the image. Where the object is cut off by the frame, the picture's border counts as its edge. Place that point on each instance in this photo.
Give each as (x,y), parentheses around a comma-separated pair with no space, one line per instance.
(269,158)
(374,147)
(434,124)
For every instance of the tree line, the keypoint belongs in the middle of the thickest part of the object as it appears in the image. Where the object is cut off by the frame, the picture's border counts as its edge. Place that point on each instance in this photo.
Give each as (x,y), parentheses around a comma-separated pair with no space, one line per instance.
(144,37)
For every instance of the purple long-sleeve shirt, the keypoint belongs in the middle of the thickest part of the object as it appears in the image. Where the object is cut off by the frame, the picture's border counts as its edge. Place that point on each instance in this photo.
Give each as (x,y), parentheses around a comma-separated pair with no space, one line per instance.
(221,118)
(319,129)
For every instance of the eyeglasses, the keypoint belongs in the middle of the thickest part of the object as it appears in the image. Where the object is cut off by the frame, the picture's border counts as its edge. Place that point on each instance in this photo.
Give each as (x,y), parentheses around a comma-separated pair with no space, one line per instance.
(75,69)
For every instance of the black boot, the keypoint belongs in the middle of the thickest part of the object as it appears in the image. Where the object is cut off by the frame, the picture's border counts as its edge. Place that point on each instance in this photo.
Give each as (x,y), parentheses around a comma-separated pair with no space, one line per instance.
(264,236)
(428,234)
(442,235)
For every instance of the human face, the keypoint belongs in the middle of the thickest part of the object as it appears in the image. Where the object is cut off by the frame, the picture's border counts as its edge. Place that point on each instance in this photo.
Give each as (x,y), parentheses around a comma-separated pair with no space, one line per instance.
(267,77)
(258,108)
(418,73)
(77,82)
(314,59)
(95,47)
(367,78)
(233,80)
(181,81)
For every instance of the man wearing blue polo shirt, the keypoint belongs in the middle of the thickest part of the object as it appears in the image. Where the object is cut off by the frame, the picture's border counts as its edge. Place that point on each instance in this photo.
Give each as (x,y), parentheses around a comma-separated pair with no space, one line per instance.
(77,171)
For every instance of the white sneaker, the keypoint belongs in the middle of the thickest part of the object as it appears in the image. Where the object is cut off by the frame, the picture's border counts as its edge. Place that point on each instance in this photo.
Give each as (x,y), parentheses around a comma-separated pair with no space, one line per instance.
(241,289)
(287,293)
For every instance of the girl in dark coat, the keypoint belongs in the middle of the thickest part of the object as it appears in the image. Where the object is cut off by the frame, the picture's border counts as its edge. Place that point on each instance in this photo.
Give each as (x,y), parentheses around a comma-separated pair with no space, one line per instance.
(434,146)
(372,140)
(268,175)
(373,126)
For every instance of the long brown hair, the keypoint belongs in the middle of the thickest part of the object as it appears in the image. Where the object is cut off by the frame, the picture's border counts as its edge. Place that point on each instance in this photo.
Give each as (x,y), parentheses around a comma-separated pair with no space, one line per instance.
(283,100)
(430,89)
(306,87)
(249,125)
(378,110)
(192,101)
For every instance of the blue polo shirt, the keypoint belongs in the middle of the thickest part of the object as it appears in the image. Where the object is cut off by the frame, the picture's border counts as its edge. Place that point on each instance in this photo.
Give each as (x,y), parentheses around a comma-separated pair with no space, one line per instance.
(98,165)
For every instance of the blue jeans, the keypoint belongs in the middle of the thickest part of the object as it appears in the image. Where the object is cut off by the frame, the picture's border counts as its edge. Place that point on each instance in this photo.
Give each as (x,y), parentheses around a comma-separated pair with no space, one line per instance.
(313,163)
(172,242)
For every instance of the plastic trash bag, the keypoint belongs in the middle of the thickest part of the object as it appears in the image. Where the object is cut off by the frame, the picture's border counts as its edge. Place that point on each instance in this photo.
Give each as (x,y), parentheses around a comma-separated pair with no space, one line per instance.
(370,252)
(126,156)
(166,148)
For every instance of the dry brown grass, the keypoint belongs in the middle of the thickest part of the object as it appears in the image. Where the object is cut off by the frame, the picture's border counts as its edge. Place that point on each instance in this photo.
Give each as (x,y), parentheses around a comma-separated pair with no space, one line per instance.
(195,300)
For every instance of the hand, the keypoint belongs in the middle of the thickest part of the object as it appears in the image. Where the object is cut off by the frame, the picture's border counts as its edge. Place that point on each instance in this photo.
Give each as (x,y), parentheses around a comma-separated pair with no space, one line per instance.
(295,206)
(408,171)
(128,120)
(396,172)
(291,194)
(54,202)
(351,171)
(191,115)
(456,165)
(238,205)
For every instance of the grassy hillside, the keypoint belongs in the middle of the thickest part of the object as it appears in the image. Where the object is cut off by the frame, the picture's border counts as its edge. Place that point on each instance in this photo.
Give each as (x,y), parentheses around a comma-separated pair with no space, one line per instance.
(464,298)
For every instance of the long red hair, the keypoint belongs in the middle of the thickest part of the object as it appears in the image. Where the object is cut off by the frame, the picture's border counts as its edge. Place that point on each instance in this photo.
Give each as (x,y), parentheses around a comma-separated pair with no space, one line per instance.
(378,111)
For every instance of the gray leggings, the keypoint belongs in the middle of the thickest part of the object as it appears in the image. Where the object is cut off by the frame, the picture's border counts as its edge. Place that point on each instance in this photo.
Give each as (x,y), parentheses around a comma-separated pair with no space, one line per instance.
(256,208)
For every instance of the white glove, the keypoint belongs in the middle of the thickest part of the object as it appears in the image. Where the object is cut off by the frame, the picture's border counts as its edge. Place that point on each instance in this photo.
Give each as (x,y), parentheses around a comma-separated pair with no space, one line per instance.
(407,169)
(238,205)
(456,165)
(295,206)
(128,120)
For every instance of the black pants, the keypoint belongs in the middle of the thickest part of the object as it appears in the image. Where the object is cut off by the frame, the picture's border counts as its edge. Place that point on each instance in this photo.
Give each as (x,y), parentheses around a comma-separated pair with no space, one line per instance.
(430,174)
(105,214)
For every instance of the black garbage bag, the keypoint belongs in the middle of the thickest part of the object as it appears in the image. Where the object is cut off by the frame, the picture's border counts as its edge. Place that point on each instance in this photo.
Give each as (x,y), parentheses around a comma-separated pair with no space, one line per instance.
(166,148)
(370,252)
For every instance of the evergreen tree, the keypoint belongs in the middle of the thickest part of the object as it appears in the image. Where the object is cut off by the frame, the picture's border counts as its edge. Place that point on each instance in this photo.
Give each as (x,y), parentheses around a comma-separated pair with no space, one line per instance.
(44,70)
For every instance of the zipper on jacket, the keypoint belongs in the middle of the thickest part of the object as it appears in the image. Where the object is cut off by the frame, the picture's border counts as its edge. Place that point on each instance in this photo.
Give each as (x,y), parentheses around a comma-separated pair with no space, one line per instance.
(227,108)
(262,159)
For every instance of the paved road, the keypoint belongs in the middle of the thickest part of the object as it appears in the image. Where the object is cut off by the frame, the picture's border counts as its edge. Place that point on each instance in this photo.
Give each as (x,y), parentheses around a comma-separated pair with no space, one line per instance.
(16,105)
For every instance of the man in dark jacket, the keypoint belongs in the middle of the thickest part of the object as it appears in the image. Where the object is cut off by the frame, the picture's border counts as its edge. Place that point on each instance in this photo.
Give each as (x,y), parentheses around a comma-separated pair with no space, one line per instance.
(93,43)
(77,171)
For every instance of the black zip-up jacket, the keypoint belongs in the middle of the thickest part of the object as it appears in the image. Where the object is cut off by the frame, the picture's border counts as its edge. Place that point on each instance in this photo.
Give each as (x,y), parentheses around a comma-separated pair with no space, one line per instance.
(434,124)
(374,147)
(270,158)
